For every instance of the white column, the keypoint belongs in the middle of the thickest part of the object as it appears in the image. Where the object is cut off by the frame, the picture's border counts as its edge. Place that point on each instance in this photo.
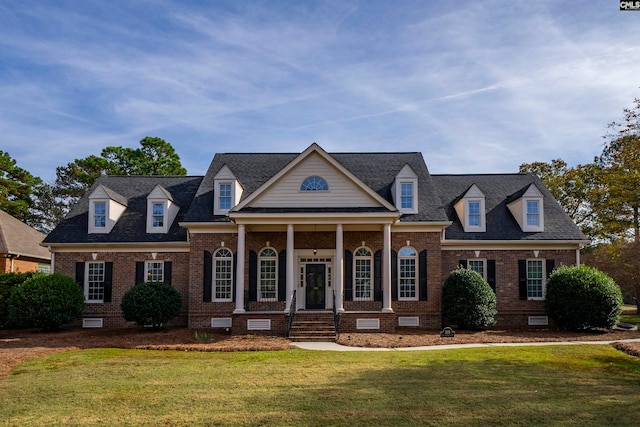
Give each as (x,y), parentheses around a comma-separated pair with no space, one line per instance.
(240,272)
(339,269)
(386,270)
(290,271)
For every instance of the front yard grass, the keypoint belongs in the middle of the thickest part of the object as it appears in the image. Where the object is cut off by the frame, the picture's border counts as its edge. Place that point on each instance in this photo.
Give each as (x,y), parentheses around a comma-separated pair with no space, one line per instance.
(556,385)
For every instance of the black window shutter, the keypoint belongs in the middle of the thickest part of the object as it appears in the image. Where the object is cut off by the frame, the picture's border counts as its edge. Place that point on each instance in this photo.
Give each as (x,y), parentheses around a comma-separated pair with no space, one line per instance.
(253,276)
(207,283)
(394,275)
(522,278)
(168,270)
(348,276)
(282,275)
(140,272)
(235,276)
(491,274)
(551,264)
(422,263)
(108,281)
(463,263)
(377,276)
(80,275)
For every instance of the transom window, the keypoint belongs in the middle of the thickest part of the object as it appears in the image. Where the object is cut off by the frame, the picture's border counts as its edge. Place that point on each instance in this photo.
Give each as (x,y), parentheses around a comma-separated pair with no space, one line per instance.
(314,183)
(94,290)
(224,196)
(268,283)
(406,196)
(533,214)
(535,279)
(223,275)
(407,274)
(362,274)
(155,271)
(100,214)
(158,214)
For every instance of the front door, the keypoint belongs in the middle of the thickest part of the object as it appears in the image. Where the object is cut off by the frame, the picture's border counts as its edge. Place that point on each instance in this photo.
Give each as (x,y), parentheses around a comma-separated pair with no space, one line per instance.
(315,284)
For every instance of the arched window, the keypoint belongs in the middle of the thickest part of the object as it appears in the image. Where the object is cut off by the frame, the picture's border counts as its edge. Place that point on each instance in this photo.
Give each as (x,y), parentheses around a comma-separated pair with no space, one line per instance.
(223,275)
(314,183)
(363,261)
(268,281)
(407,273)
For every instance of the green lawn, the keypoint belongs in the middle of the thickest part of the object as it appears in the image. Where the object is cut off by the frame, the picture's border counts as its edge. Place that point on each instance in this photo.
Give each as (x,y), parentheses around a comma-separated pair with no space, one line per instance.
(558,385)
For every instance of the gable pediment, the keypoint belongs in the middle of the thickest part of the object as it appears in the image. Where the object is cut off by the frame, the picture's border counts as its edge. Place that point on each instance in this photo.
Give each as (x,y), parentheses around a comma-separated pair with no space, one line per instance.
(286,190)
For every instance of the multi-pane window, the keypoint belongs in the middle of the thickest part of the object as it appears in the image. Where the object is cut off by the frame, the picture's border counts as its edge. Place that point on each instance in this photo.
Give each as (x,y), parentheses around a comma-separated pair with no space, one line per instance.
(535,279)
(406,195)
(533,215)
(407,277)
(158,214)
(314,183)
(224,196)
(474,214)
(223,275)
(478,265)
(94,290)
(100,214)
(268,282)
(155,271)
(362,276)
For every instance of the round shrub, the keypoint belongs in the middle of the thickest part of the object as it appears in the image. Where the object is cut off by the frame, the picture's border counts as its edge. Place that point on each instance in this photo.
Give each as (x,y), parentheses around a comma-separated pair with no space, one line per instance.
(7,282)
(151,304)
(467,300)
(582,297)
(46,302)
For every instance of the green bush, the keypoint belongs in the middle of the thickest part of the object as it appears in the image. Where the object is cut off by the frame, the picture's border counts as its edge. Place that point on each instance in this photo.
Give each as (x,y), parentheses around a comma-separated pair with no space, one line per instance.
(46,302)
(151,304)
(467,300)
(7,282)
(582,298)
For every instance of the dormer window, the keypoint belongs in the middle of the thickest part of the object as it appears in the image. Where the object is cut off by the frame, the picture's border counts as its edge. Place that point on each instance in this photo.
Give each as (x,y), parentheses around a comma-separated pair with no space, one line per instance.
(528,210)
(161,210)
(99,214)
(227,191)
(471,210)
(405,191)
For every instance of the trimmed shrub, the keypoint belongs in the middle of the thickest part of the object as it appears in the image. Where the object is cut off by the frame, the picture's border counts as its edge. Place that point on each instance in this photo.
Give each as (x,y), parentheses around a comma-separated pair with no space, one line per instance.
(46,302)
(582,297)
(7,282)
(467,300)
(151,304)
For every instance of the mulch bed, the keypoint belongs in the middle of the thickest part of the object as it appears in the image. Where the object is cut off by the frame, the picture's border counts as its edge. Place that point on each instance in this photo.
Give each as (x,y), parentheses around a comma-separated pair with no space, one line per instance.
(18,346)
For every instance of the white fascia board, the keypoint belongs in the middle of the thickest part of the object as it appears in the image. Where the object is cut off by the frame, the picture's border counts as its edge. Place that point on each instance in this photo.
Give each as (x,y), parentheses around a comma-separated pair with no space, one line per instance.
(120,247)
(209,227)
(450,245)
(317,218)
(416,227)
(314,148)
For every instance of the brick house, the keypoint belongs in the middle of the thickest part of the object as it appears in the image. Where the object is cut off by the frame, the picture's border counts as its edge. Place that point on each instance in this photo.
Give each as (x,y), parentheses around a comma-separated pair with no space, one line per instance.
(261,236)
(20,249)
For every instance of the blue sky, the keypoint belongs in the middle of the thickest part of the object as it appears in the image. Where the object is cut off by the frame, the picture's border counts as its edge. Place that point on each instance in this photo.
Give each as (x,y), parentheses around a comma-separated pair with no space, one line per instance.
(476,86)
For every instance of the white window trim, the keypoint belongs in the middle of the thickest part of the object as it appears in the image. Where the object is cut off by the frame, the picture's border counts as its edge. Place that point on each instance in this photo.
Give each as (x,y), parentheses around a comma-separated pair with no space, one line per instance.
(484,266)
(482,227)
(405,176)
(416,276)
(525,225)
(219,210)
(544,279)
(86,282)
(146,270)
(260,259)
(371,287)
(214,282)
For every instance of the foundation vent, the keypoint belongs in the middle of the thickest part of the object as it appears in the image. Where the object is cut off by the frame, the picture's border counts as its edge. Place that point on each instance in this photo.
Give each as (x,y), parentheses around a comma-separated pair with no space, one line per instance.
(221,322)
(538,320)
(259,324)
(367,323)
(409,321)
(92,322)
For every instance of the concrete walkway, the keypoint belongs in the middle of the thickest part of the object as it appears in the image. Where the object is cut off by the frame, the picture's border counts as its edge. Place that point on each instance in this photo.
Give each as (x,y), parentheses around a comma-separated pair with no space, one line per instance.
(332,346)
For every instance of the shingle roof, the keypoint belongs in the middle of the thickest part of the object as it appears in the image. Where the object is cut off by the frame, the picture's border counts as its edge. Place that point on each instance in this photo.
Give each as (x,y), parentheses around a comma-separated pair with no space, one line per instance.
(499,190)
(131,227)
(376,170)
(18,238)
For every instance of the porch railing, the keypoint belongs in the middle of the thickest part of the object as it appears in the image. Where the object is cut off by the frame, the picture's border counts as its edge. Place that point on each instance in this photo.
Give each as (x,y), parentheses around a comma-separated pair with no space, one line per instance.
(292,312)
(336,317)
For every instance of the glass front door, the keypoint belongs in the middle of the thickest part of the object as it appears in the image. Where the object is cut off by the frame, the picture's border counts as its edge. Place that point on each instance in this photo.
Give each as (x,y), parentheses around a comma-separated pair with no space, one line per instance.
(315,284)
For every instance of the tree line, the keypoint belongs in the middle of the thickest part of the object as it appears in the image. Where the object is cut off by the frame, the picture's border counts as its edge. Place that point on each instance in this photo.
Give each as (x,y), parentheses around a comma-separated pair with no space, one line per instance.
(42,205)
